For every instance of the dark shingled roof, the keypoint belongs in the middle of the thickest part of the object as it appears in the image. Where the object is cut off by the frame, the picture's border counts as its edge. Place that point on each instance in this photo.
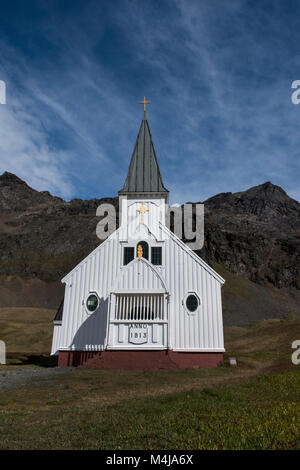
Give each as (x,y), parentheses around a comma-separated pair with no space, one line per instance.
(59,313)
(144,174)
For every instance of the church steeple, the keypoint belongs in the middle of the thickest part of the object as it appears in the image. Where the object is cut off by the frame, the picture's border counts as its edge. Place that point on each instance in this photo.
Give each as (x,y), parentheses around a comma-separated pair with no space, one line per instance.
(144,174)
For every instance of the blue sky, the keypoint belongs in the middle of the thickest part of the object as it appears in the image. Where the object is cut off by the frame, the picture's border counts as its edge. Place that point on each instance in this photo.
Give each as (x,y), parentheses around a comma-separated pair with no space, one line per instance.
(218,75)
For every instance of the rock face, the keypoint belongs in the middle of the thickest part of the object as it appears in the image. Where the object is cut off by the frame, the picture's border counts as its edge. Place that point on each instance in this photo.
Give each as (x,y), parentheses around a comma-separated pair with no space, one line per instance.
(254,234)
(16,196)
(42,236)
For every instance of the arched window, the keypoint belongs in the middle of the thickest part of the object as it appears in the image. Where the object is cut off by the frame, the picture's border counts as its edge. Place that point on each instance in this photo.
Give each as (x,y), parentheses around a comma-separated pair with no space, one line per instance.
(145,249)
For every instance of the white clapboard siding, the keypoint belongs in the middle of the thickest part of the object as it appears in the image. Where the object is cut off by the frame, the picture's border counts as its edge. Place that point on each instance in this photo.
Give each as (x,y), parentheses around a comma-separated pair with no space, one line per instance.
(203,329)
(152,218)
(56,342)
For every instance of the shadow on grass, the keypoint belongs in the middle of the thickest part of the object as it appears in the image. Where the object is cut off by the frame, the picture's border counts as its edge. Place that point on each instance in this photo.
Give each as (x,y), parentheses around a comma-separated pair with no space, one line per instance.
(41,360)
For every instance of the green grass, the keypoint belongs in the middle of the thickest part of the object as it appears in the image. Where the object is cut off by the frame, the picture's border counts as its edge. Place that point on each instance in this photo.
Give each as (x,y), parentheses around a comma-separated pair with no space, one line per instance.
(252,406)
(260,413)
(26,331)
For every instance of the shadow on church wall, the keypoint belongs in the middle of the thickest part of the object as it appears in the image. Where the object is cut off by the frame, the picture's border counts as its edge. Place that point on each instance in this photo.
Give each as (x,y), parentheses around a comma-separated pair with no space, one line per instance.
(92,333)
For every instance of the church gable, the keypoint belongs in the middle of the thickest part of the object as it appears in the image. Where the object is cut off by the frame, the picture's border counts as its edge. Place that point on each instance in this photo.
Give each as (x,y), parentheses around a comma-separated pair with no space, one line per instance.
(140,275)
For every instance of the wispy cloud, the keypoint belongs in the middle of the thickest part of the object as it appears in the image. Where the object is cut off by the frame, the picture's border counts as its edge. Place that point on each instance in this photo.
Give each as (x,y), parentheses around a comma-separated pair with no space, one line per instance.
(25,151)
(218,76)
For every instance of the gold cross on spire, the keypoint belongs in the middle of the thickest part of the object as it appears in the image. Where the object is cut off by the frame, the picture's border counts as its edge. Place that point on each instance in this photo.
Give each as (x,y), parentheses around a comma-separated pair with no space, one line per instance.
(142,211)
(144,102)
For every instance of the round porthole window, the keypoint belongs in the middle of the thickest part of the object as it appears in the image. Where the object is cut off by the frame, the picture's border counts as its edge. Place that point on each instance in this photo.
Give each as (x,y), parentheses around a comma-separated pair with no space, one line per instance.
(192,302)
(92,302)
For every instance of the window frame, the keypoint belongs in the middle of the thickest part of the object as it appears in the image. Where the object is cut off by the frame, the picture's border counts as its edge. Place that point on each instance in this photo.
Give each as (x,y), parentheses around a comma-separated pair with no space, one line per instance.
(161,255)
(133,257)
(90,312)
(184,300)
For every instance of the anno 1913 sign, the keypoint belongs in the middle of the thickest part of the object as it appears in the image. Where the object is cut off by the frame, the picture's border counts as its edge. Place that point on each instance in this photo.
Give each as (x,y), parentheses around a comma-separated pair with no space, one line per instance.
(138,333)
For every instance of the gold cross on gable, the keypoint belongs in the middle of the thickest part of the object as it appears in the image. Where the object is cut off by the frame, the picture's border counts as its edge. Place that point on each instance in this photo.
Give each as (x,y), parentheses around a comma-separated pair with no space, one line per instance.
(142,211)
(144,102)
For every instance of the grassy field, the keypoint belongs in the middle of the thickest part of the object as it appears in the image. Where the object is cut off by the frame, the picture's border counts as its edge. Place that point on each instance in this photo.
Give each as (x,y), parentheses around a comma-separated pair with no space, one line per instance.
(26,331)
(76,411)
(253,406)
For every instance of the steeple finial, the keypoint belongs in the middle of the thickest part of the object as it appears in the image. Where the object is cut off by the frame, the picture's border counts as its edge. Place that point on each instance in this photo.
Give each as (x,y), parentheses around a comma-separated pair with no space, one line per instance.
(144,103)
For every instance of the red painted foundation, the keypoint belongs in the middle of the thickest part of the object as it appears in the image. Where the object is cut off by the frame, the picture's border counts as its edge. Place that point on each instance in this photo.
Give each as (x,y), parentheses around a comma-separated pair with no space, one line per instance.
(138,360)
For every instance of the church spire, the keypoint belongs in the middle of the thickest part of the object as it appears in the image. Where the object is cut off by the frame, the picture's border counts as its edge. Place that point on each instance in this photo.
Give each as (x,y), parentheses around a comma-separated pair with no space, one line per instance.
(144,174)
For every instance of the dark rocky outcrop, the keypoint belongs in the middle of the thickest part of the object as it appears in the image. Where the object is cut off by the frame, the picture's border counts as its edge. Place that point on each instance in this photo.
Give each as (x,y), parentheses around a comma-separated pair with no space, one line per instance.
(256,234)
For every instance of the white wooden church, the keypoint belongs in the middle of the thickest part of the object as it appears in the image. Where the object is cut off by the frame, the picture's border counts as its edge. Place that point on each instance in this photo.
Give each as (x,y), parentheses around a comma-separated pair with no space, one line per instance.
(142,299)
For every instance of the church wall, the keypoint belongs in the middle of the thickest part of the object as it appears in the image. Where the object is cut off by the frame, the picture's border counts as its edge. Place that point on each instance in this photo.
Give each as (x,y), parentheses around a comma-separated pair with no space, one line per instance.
(57,330)
(139,360)
(100,273)
(139,275)
(131,222)
(96,274)
(204,328)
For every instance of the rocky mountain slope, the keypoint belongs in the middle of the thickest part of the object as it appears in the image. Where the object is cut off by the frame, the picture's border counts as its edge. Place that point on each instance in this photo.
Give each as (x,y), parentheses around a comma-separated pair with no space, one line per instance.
(255,233)
(252,237)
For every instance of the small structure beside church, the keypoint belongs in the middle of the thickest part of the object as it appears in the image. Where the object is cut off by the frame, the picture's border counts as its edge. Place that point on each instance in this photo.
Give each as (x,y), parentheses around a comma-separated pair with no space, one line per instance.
(142,299)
